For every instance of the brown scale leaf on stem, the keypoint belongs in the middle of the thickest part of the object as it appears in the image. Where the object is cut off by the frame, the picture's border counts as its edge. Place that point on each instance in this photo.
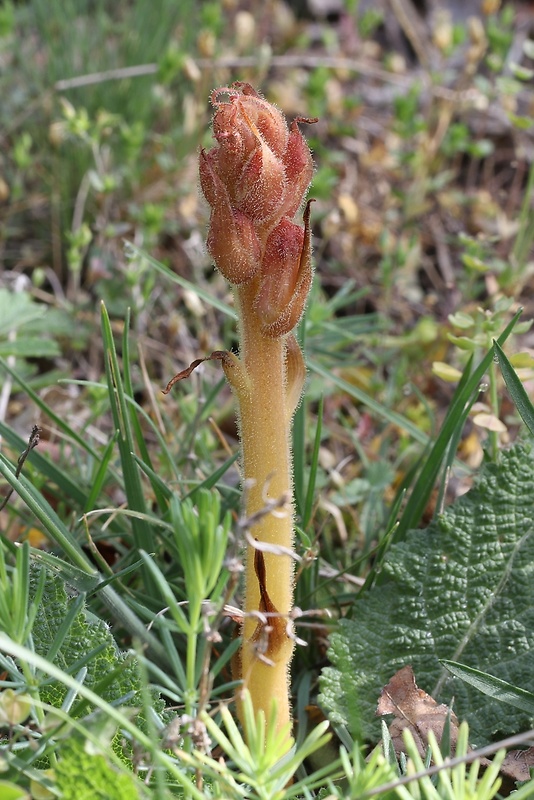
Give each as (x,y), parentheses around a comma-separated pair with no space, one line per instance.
(224,356)
(275,629)
(295,375)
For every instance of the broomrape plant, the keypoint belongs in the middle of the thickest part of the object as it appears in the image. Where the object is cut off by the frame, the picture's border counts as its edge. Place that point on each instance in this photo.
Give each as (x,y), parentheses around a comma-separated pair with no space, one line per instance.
(255,179)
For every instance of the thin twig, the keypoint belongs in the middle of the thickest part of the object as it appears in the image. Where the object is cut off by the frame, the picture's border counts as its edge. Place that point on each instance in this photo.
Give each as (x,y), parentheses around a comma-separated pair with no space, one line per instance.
(241,62)
(33,441)
(414,30)
(471,97)
(120,74)
(366,68)
(442,251)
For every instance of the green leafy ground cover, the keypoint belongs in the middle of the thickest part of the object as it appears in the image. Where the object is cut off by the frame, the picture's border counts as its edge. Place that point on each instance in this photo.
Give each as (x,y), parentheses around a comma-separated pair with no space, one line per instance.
(65,633)
(423,231)
(460,589)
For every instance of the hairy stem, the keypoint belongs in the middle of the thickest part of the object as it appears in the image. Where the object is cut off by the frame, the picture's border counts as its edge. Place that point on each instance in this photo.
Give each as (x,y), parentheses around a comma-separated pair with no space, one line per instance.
(266,466)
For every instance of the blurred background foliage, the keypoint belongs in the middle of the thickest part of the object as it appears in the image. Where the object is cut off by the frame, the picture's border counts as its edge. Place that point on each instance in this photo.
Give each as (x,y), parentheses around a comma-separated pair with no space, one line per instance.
(423,225)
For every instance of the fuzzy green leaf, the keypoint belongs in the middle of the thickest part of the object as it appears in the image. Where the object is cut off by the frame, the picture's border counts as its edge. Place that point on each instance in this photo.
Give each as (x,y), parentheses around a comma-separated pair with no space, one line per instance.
(86,641)
(30,347)
(82,775)
(18,309)
(463,590)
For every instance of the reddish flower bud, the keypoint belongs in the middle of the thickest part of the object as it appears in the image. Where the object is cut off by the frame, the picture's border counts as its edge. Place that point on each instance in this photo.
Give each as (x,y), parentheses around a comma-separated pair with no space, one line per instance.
(265,117)
(210,183)
(232,239)
(261,188)
(234,245)
(251,135)
(280,268)
(281,300)
(299,167)
(255,179)
(265,167)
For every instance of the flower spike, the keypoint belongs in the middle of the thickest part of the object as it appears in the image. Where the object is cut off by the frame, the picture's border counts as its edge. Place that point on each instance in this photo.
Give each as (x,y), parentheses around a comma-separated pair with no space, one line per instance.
(255,178)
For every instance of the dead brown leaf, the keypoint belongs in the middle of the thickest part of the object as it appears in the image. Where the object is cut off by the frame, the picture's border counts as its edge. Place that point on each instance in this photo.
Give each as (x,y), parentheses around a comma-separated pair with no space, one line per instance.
(416,710)
(517,764)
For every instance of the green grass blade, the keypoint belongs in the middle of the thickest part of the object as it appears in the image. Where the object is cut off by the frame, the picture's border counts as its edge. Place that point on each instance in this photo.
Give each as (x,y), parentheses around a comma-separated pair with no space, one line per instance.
(210,398)
(379,555)
(166,592)
(516,388)
(140,411)
(46,515)
(456,416)
(163,447)
(226,656)
(214,478)
(134,420)
(81,580)
(310,492)
(124,614)
(450,455)
(492,686)
(116,576)
(202,413)
(154,478)
(121,419)
(100,475)
(525,234)
(66,623)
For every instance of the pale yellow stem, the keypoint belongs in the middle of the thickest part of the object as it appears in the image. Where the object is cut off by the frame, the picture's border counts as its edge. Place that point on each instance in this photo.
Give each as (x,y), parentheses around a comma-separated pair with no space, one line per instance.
(266,467)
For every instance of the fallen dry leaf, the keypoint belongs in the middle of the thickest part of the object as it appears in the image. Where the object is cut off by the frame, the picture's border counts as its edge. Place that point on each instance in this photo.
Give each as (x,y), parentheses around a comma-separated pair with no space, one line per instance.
(518,763)
(420,713)
(416,710)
